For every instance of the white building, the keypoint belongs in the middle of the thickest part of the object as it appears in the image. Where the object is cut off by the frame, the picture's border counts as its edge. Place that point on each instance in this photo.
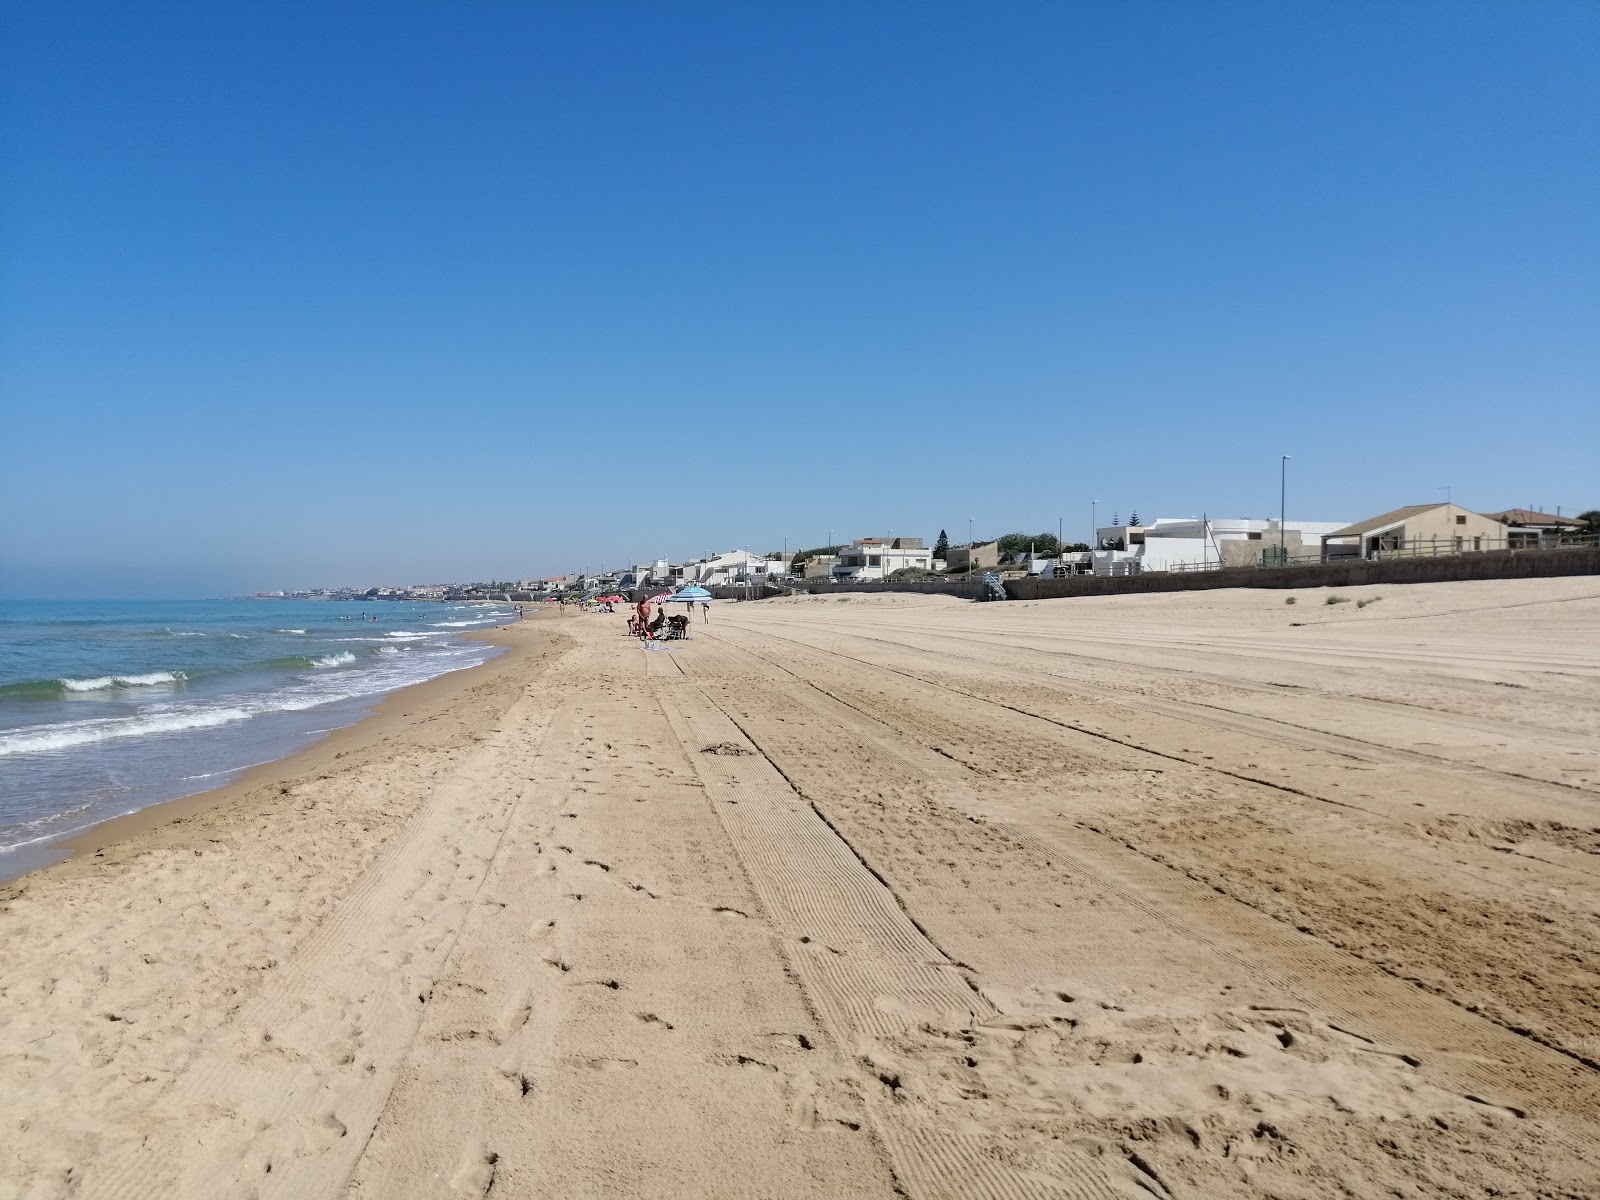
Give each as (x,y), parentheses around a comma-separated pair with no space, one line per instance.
(1195,543)
(878,558)
(735,566)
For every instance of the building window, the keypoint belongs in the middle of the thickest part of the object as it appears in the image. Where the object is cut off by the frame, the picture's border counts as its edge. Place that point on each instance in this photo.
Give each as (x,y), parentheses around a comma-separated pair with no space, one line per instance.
(874,560)
(1252,537)
(1461,520)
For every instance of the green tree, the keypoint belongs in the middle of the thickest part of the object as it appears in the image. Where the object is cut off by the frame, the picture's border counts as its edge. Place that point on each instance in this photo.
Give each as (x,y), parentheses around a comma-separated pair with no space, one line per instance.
(941,548)
(1134,519)
(1014,545)
(1591,520)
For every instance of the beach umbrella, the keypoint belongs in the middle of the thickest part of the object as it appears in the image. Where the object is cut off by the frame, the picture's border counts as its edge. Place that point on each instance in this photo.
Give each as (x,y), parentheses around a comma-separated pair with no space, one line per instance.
(692,595)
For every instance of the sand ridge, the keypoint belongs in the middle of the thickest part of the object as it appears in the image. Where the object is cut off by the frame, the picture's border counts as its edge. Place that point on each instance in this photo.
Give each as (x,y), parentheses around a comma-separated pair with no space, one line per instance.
(1196,895)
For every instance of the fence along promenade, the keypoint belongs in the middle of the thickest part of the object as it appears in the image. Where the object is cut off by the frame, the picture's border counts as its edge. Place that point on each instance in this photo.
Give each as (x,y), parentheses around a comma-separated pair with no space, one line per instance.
(1430,547)
(1349,570)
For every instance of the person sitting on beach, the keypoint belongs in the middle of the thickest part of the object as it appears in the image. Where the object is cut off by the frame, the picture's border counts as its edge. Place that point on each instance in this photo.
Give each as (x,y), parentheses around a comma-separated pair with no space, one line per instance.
(656,622)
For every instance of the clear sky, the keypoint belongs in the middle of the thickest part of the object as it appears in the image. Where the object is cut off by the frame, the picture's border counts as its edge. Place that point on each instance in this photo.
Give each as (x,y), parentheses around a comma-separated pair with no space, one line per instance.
(320,293)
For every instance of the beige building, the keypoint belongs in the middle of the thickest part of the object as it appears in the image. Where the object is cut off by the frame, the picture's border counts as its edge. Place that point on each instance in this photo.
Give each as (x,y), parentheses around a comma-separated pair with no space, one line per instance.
(984,556)
(1527,527)
(1417,529)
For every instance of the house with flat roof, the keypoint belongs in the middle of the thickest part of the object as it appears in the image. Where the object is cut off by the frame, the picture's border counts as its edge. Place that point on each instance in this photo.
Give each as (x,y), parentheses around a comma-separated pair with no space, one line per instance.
(979,556)
(878,558)
(1191,543)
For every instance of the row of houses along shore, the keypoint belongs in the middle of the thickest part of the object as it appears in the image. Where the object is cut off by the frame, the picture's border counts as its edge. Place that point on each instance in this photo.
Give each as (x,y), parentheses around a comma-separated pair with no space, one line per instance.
(1168,544)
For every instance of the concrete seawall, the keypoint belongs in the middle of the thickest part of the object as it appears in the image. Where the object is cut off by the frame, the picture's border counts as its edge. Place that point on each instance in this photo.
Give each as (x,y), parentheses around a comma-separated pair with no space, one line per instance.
(1491,564)
(969,589)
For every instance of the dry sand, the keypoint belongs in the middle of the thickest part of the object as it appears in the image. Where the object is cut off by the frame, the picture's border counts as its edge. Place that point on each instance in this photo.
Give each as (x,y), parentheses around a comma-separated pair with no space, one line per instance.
(1194,895)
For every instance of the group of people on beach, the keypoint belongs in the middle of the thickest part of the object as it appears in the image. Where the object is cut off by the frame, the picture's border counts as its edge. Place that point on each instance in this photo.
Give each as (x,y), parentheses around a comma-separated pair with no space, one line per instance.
(642,624)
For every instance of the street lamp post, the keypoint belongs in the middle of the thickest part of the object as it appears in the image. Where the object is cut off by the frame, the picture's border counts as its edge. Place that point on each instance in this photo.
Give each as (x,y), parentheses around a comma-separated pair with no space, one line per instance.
(971,548)
(1094,526)
(1283,492)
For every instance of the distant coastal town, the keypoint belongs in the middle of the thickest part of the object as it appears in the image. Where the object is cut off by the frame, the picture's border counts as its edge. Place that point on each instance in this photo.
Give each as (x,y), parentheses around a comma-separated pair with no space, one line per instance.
(1168,544)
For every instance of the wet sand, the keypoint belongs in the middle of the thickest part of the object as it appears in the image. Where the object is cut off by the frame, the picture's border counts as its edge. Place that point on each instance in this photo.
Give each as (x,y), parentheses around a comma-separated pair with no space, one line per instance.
(1194,895)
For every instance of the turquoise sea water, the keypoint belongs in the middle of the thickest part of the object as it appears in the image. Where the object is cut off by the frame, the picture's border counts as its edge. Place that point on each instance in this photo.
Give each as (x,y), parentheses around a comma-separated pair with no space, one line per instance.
(108,707)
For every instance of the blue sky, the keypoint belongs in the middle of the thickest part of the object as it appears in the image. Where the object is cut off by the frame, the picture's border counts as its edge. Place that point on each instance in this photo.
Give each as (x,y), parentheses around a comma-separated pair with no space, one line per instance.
(315,293)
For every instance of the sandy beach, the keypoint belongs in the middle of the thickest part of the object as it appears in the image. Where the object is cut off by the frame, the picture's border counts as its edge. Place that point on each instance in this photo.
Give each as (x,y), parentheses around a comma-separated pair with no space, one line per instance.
(1188,896)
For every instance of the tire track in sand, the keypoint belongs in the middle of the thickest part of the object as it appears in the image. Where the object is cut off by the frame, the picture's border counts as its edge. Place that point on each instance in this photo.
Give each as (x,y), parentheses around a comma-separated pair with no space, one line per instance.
(876,980)
(1469,1053)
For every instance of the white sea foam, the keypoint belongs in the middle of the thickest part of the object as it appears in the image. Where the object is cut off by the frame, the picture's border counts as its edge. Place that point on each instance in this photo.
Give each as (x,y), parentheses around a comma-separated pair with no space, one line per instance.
(101,682)
(463,624)
(233,770)
(388,649)
(81,733)
(288,631)
(401,635)
(376,675)
(334,660)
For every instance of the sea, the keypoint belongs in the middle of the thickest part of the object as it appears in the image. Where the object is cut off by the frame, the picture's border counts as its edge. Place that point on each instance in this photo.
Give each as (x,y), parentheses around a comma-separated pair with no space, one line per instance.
(109,707)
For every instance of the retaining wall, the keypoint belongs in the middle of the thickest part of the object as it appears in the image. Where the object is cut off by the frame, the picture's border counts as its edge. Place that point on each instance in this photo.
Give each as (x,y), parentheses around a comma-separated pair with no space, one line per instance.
(1489,564)
(970,589)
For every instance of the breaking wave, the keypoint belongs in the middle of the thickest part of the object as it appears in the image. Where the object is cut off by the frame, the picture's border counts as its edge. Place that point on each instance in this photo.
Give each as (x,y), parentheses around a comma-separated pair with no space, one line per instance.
(99,682)
(68,685)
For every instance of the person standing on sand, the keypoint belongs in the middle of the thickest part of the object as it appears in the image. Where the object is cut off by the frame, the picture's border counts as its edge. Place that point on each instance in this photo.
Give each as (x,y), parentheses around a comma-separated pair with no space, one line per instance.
(705,612)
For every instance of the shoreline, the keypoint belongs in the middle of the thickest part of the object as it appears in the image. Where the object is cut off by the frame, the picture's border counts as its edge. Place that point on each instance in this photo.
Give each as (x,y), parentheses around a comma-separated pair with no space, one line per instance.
(389,713)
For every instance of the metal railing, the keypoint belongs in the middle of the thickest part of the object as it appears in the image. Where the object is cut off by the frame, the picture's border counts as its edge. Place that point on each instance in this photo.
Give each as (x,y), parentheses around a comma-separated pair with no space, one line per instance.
(1434,547)
(1450,547)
